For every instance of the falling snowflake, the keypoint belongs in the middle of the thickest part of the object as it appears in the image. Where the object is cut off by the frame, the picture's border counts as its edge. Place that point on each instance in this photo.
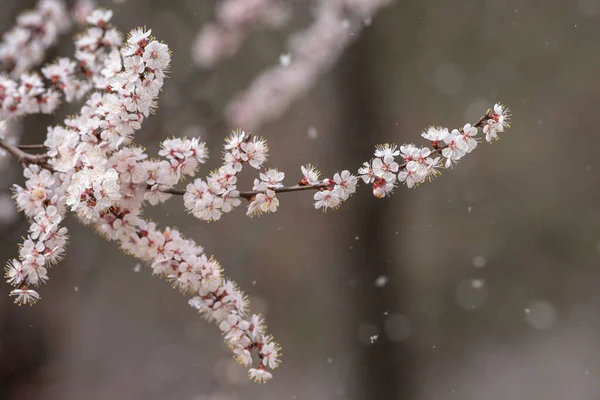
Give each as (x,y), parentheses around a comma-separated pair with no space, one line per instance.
(381,281)
(285,59)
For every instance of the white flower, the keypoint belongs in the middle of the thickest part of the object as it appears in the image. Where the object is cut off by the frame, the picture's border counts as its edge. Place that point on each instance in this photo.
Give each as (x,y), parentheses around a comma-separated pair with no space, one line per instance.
(386,149)
(107,188)
(259,186)
(209,208)
(366,173)
(137,38)
(465,140)
(410,178)
(435,134)
(270,355)
(235,139)
(14,273)
(433,166)
(345,184)
(25,296)
(385,168)
(134,66)
(233,159)
(255,152)
(244,356)
(453,152)
(326,199)
(407,151)
(231,199)
(199,149)
(99,17)
(268,201)
(263,203)
(272,178)
(382,187)
(36,272)
(257,327)
(259,375)
(499,120)
(310,175)
(418,163)
(156,55)
(233,326)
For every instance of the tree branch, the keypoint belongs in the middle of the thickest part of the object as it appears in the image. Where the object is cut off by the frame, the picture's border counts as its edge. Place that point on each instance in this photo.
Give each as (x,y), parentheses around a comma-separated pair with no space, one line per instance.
(250,194)
(42,160)
(31,147)
(24,158)
(297,188)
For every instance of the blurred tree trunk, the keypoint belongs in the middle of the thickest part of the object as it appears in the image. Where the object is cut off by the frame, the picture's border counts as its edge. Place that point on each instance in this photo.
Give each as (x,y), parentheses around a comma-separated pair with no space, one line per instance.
(383,367)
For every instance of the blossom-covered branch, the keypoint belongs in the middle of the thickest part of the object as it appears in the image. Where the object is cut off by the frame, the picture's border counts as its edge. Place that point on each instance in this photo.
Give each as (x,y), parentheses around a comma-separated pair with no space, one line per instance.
(17,151)
(218,193)
(91,166)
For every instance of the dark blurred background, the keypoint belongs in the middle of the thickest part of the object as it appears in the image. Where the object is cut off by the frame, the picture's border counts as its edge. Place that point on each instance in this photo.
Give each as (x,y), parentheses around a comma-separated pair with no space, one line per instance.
(481,285)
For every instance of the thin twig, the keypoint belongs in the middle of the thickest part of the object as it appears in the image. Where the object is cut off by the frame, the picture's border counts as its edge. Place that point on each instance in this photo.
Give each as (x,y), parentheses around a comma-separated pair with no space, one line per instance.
(296,188)
(24,158)
(31,147)
(250,194)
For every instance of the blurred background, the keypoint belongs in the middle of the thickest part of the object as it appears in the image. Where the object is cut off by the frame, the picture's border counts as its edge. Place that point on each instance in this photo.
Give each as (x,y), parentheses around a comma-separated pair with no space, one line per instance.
(481,285)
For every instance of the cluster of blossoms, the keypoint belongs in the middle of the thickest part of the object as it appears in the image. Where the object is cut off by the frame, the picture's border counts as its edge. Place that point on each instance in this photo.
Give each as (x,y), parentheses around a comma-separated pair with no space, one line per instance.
(208,199)
(422,164)
(498,119)
(41,200)
(97,58)
(25,44)
(234,21)
(92,167)
(332,192)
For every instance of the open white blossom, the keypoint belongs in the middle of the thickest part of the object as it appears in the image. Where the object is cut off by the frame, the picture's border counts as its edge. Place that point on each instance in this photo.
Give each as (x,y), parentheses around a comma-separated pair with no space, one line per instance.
(465,138)
(453,151)
(266,202)
(156,56)
(310,175)
(272,178)
(259,375)
(25,296)
(498,121)
(345,184)
(435,134)
(328,198)
(386,150)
